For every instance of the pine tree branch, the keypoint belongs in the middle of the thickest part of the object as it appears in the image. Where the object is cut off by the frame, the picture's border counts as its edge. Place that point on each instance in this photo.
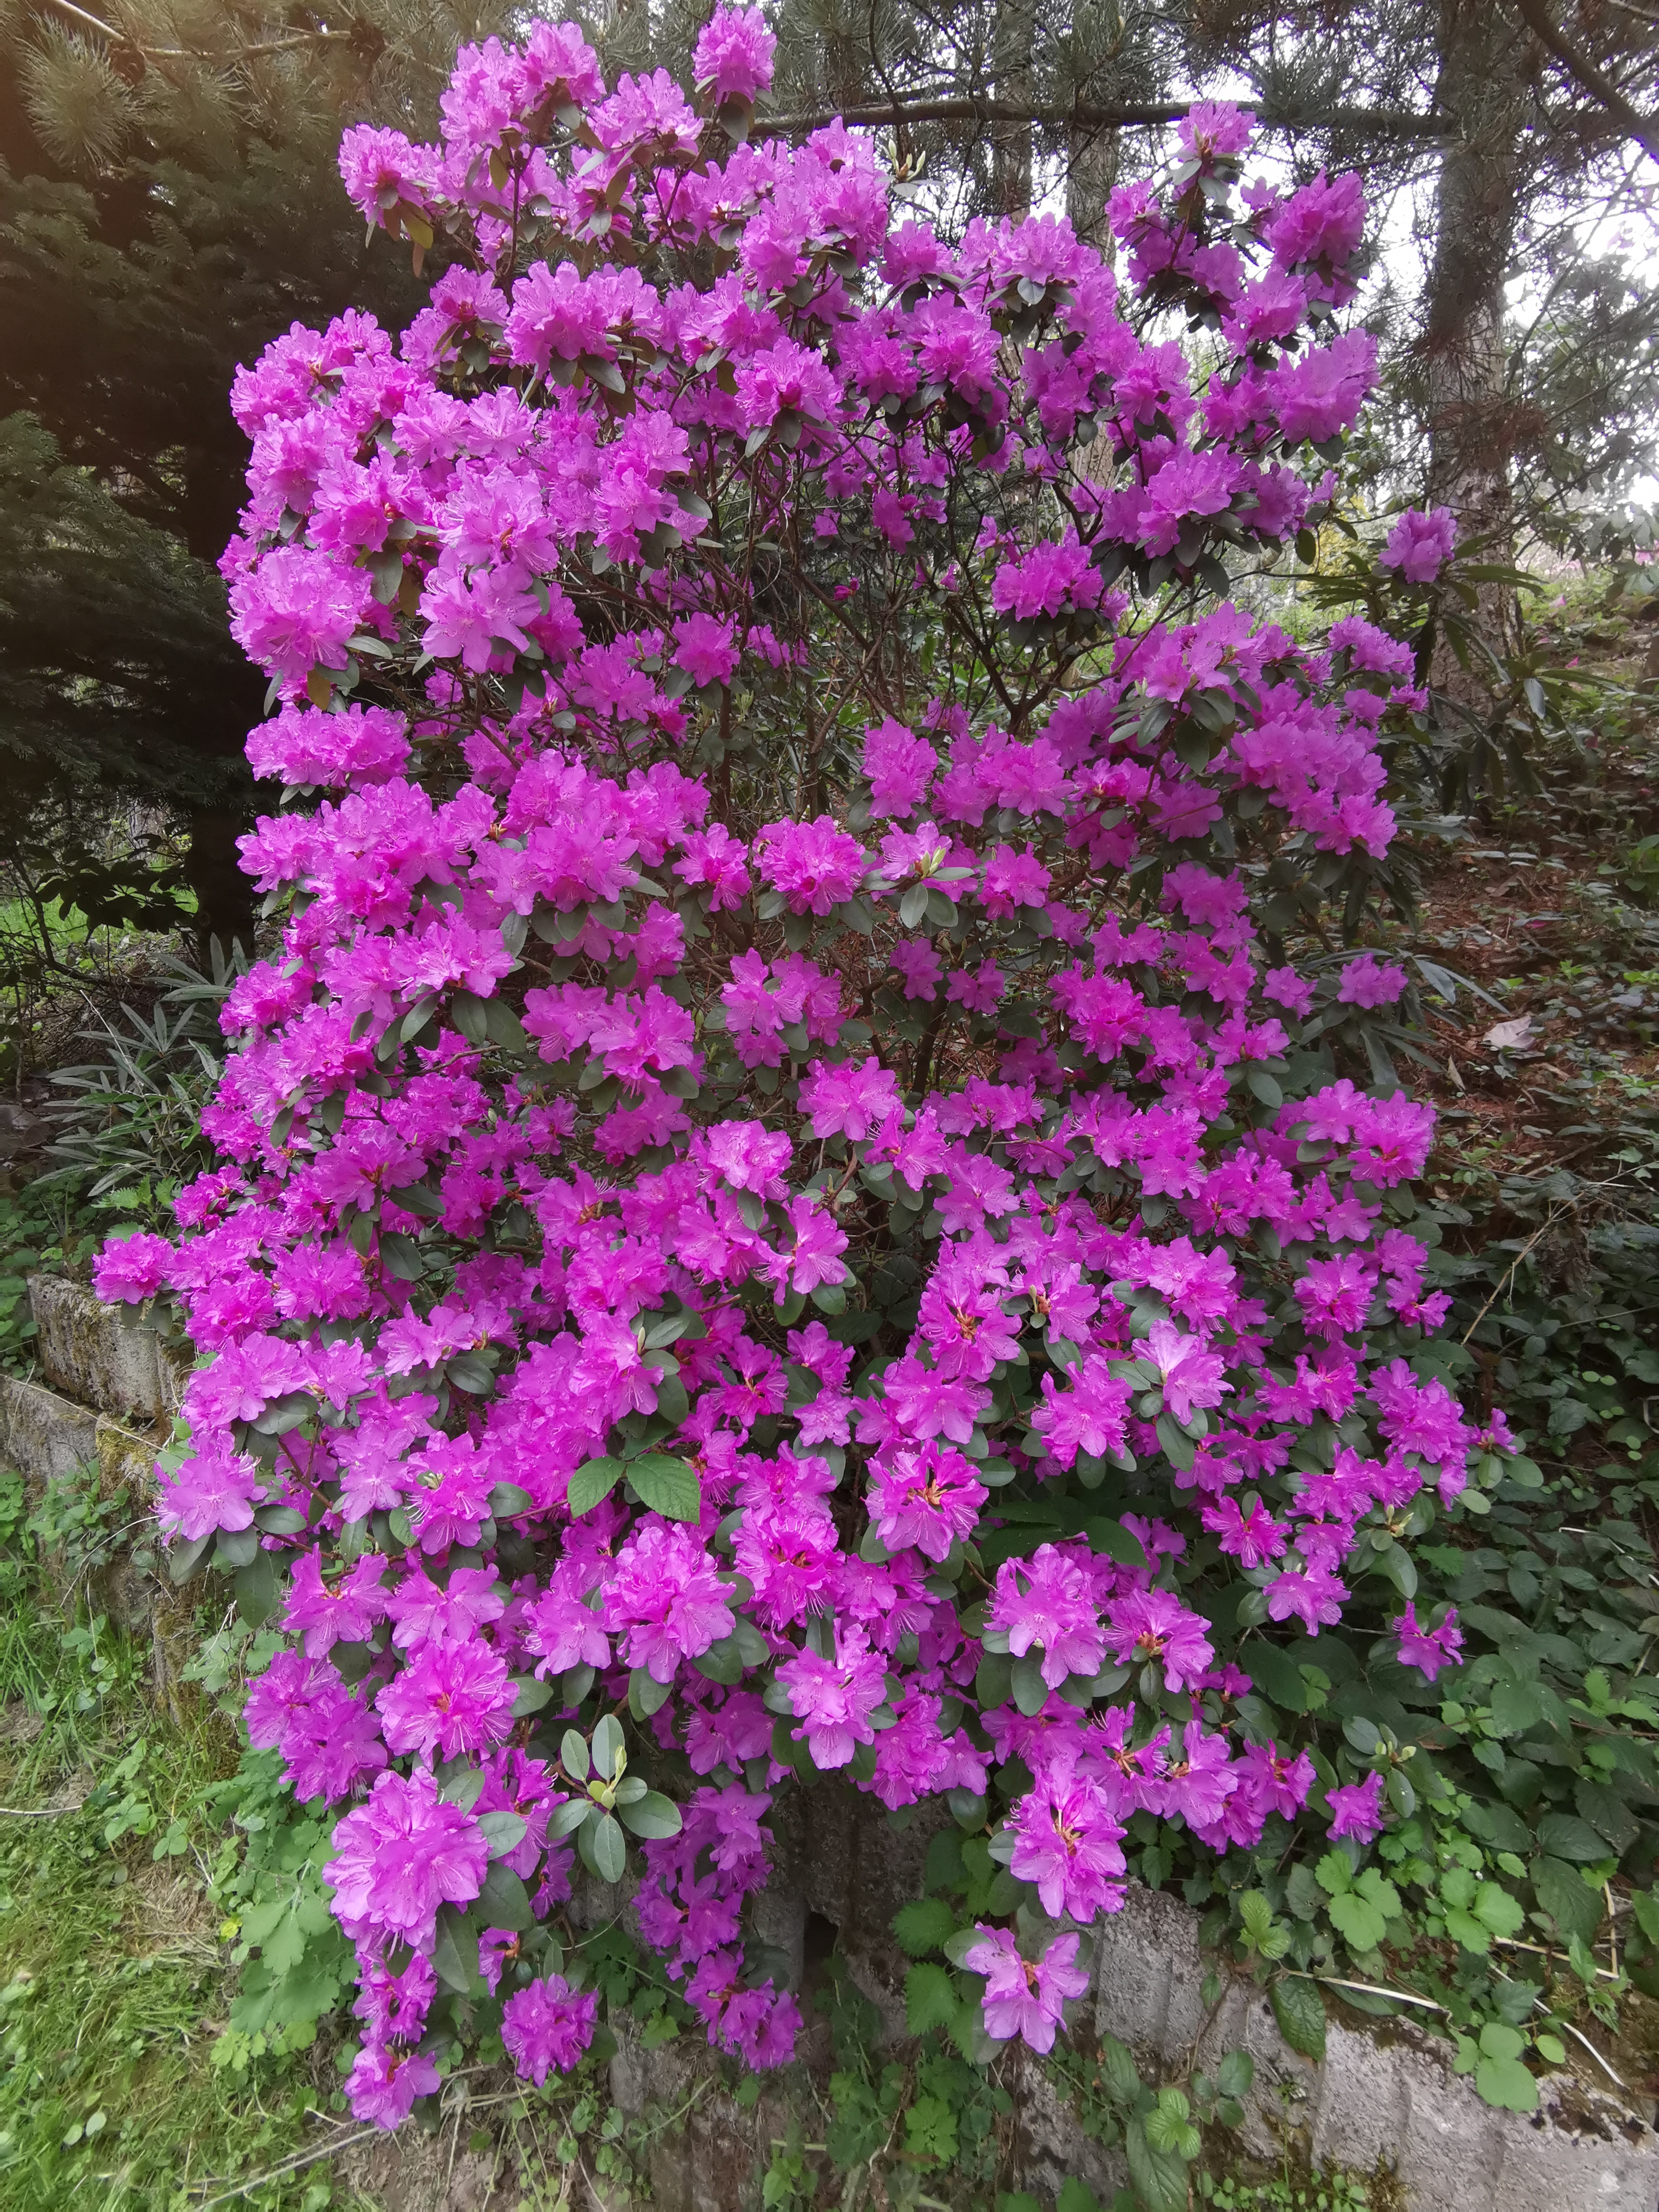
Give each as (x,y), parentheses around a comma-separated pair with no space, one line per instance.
(1588,75)
(189,53)
(1380,122)
(104,30)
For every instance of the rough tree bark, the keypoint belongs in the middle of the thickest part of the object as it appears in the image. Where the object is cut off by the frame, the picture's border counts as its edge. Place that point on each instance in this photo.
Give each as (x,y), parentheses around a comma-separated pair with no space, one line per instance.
(1090,174)
(1483,86)
(1013,39)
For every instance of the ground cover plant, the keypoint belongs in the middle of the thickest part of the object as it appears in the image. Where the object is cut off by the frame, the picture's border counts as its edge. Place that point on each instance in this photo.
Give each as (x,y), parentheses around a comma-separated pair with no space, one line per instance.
(786,1207)
(114,1961)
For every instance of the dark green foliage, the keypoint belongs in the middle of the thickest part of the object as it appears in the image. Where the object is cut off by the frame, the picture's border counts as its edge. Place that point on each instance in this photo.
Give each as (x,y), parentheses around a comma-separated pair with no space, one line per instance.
(139,280)
(115,665)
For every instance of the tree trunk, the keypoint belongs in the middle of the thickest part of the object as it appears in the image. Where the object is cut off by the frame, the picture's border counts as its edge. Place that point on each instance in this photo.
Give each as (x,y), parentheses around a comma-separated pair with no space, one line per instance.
(224,896)
(1090,175)
(1469,417)
(1012,40)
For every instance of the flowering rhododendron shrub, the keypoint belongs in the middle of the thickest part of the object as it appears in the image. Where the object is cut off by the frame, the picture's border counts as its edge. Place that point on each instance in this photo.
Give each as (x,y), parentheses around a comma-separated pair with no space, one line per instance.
(787,1209)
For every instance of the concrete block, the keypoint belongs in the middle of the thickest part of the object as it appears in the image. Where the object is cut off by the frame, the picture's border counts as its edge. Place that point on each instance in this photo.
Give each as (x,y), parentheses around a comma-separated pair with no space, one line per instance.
(89,1353)
(1050,2148)
(1384,2095)
(46,1437)
(126,1461)
(1148,1973)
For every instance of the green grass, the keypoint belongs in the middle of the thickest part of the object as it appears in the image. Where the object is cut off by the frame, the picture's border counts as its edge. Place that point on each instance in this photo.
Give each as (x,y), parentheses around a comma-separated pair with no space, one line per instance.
(114,1969)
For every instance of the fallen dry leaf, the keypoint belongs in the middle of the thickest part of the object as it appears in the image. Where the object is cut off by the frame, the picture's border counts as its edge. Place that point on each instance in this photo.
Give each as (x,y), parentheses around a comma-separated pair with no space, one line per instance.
(1508,1035)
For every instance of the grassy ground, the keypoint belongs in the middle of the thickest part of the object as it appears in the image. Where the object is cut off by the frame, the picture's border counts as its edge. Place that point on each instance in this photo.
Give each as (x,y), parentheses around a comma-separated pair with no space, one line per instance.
(115,1973)
(137,1854)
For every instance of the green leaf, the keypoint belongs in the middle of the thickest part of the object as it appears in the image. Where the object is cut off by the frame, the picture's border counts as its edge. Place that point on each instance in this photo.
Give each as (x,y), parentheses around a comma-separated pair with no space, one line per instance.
(455,1955)
(185,1557)
(652,1815)
(607,1746)
(1256,1914)
(645,1694)
(1178,1447)
(1494,1908)
(1359,1921)
(930,1999)
(1515,1708)
(721,1662)
(531,1695)
(1465,1930)
(594,1479)
(259,1588)
(1302,1893)
(1159,2176)
(930,2130)
(507,1500)
(666,1486)
(504,1830)
(1119,2076)
(1608,1814)
(281,1519)
(504,1902)
(1333,1874)
(468,1372)
(1236,2075)
(462,1787)
(609,1847)
(1030,1691)
(573,1754)
(1169,2123)
(1570,1903)
(1566,1837)
(1505,2082)
(1300,2012)
(1120,1544)
(923,1925)
(1075,2196)
(1378,1890)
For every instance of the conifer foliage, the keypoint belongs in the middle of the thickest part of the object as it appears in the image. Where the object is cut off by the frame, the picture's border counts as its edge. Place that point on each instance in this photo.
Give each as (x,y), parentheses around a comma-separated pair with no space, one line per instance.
(783,1212)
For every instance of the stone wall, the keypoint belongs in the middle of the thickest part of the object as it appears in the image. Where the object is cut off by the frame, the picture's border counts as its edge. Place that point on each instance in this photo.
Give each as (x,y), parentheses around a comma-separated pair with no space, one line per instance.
(104,1401)
(1385,2096)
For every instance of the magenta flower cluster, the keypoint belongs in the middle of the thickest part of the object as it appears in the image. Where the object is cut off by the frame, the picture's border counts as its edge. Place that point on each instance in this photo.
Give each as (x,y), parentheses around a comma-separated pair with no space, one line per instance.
(850,1250)
(1419,545)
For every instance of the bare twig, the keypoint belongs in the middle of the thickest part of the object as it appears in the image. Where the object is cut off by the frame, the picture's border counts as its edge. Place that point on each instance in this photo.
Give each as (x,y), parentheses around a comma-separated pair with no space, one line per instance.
(1579,2037)
(1555,1215)
(1381,122)
(289,2165)
(189,53)
(1543,1951)
(1373,1990)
